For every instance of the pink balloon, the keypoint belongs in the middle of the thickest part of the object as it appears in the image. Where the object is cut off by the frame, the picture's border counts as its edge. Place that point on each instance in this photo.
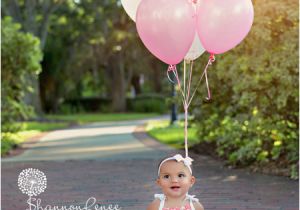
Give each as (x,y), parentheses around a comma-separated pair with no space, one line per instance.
(223,24)
(167,28)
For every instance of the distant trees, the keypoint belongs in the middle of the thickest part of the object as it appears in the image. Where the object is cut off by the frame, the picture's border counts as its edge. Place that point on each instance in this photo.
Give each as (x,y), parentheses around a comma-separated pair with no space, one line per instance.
(34,17)
(92,39)
(80,39)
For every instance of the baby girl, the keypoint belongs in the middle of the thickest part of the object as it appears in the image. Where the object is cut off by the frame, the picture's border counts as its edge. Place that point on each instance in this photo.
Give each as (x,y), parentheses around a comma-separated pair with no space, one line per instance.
(175,179)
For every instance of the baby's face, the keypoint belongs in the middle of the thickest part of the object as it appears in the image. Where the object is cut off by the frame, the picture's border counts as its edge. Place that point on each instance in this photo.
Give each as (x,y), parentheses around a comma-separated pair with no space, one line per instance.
(175,179)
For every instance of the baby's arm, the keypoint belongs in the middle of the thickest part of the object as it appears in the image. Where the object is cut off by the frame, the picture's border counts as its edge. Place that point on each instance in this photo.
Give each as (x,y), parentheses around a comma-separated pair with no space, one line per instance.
(198,206)
(153,205)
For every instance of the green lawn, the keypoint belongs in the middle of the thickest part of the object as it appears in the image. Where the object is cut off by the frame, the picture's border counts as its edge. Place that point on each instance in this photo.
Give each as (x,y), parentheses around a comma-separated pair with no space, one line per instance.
(171,135)
(33,128)
(101,117)
(29,129)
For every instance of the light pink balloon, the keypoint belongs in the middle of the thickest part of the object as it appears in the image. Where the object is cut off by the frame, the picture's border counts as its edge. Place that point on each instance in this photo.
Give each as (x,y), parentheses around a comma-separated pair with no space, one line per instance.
(223,24)
(167,28)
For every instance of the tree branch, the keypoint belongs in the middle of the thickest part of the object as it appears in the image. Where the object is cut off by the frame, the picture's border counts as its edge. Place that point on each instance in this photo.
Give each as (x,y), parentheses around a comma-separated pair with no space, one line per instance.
(49,7)
(13,10)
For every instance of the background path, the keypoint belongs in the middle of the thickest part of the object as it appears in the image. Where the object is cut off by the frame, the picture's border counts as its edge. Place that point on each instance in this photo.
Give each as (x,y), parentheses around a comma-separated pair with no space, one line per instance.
(107,161)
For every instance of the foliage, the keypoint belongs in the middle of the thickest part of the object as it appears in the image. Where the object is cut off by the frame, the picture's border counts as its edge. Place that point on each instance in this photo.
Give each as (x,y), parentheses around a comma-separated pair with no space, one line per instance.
(42,126)
(9,141)
(253,117)
(100,117)
(87,48)
(148,103)
(28,130)
(246,140)
(35,18)
(20,56)
(145,103)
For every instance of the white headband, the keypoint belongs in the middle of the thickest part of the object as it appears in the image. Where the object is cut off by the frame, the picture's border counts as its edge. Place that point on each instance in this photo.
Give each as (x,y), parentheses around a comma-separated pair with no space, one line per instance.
(187,161)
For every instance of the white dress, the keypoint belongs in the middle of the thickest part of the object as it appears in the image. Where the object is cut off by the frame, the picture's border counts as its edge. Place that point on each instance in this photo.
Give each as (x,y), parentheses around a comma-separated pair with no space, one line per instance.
(162,199)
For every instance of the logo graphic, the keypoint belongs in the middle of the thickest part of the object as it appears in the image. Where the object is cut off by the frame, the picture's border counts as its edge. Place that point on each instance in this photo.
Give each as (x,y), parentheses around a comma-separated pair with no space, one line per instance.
(32,182)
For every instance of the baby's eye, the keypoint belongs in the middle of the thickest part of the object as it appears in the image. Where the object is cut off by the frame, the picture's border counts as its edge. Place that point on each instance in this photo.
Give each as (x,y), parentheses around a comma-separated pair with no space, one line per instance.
(166,176)
(181,175)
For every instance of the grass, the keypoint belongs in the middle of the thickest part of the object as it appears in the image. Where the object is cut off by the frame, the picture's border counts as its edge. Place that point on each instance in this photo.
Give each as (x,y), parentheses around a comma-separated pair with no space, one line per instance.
(172,135)
(29,129)
(101,117)
(44,126)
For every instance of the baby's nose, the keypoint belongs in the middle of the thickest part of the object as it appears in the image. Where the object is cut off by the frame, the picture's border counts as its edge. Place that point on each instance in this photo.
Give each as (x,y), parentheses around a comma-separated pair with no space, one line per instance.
(174,179)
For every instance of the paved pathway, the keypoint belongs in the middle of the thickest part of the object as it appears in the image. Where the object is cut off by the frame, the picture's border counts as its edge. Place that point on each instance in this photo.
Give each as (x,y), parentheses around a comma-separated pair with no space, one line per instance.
(106,161)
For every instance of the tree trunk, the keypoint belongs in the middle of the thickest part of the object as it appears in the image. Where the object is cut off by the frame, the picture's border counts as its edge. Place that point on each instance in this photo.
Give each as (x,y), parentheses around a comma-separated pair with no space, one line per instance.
(33,98)
(157,76)
(118,83)
(135,82)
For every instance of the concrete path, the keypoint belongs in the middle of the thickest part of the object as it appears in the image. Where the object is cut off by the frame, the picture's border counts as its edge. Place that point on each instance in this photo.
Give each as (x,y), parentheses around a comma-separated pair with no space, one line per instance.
(89,142)
(116,167)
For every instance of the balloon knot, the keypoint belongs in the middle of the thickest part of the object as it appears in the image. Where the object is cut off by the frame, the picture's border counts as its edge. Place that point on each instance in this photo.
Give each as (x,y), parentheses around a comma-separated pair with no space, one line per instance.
(171,68)
(212,58)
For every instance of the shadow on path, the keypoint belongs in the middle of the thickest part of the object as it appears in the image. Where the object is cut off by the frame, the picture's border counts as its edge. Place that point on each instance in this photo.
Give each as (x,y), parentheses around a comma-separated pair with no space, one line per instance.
(107,161)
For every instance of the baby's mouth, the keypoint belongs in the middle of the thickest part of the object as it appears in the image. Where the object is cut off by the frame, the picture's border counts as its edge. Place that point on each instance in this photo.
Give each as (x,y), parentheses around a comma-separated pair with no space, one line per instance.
(175,188)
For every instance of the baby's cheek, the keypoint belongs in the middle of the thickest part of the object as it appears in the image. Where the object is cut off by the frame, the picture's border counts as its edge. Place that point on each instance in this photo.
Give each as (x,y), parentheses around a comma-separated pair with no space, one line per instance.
(186,182)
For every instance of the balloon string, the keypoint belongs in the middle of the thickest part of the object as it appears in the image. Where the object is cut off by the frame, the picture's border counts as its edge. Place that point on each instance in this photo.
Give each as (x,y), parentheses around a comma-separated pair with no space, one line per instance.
(170,68)
(186,91)
(186,128)
(186,107)
(207,87)
(173,69)
(184,70)
(210,61)
(190,80)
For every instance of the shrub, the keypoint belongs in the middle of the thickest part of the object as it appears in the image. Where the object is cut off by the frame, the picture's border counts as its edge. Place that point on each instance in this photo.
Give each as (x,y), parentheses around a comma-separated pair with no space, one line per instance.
(148,103)
(20,56)
(253,117)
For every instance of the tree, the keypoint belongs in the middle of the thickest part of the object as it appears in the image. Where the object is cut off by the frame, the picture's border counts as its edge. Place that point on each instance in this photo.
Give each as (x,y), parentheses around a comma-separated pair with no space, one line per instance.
(92,38)
(34,16)
(21,56)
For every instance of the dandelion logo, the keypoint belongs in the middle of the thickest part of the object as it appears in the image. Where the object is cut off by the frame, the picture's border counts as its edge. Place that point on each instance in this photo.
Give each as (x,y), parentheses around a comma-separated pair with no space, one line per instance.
(32,182)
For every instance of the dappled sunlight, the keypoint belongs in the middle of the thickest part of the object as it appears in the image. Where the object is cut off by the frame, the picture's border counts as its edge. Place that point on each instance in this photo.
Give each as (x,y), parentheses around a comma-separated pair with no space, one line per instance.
(215,178)
(88,150)
(230,178)
(87,132)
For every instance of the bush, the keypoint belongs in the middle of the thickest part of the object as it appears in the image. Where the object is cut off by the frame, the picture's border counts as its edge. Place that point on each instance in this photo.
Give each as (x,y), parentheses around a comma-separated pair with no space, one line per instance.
(20,56)
(88,104)
(253,117)
(147,104)
(244,140)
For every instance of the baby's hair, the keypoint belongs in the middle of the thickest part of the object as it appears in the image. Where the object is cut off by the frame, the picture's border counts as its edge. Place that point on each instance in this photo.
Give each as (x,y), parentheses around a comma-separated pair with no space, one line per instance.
(170,155)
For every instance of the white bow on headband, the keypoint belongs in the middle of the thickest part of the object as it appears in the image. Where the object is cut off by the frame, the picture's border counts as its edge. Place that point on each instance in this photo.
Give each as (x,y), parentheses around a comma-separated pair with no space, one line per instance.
(187,161)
